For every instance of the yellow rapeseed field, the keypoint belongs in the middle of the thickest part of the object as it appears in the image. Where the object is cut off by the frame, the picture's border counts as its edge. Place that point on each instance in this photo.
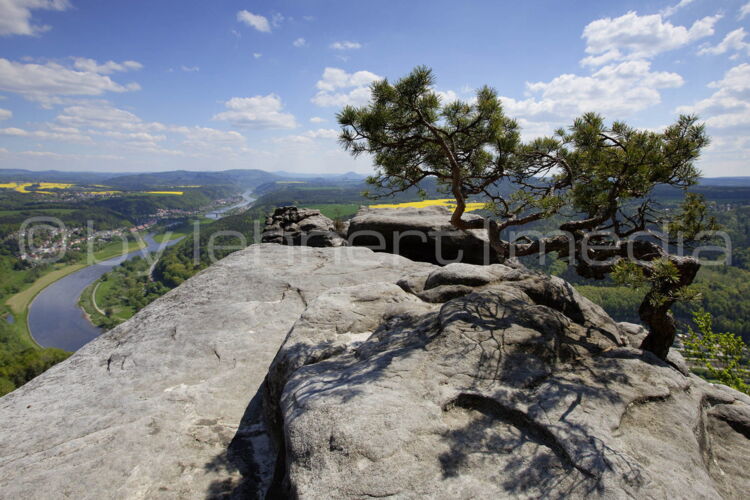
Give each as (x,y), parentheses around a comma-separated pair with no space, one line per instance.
(178,193)
(21,187)
(445,202)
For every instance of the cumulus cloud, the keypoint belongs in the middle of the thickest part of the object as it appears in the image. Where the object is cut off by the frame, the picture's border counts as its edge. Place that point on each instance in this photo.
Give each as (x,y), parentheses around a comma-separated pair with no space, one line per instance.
(42,81)
(729,105)
(727,115)
(15,15)
(744,11)
(339,88)
(256,21)
(5,114)
(447,95)
(299,42)
(317,119)
(734,41)
(109,67)
(190,69)
(616,89)
(122,132)
(257,112)
(346,45)
(631,36)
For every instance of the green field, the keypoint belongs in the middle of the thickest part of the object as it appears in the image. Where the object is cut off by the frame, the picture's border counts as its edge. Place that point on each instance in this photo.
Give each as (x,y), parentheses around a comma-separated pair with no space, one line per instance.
(336,210)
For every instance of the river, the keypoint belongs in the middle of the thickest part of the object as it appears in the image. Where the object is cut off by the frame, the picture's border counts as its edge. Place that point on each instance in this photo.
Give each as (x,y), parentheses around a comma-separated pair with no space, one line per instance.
(246,200)
(56,320)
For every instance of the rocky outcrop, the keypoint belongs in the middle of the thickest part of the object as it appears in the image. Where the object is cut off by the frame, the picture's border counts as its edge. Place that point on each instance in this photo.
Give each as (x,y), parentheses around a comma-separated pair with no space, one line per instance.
(466,382)
(344,373)
(165,406)
(301,227)
(421,234)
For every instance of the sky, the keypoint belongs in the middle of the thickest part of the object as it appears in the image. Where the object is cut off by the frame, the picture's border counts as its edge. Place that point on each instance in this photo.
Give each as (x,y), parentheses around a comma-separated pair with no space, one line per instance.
(136,85)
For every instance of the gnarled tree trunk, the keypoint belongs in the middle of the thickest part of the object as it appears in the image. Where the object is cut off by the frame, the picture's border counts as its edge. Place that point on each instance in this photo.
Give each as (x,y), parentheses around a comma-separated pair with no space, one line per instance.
(655,308)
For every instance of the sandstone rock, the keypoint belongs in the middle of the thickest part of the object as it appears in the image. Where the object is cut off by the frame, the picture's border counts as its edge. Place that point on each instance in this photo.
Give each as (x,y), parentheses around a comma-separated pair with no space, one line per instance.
(421,234)
(163,406)
(517,388)
(301,226)
(387,377)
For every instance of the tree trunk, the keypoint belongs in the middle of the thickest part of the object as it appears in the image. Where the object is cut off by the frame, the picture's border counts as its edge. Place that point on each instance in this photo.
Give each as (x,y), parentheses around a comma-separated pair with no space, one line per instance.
(655,308)
(661,326)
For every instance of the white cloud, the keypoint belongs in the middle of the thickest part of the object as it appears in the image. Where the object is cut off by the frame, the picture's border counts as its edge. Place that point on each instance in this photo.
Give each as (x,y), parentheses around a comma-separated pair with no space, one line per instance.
(744,11)
(734,40)
(309,137)
(299,42)
(102,115)
(130,136)
(337,79)
(727,116)
(257,55)
(668,11)
(617,89)
(632,36)
(5,114)
(346,45)
(54,134)
(317,119)
(190,69)
(729,105)
(323,133)
(446,96)
(256,21)
(15,15)
(109,67)
(42,81)
(257,112)
(122,134)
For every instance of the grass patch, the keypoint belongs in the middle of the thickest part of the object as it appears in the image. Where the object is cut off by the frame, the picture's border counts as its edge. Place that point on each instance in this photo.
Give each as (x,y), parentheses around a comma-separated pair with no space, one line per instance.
(336,210)
(20,301)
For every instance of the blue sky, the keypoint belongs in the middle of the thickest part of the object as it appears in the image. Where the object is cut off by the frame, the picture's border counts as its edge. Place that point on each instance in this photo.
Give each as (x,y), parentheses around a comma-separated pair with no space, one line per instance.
(159,85)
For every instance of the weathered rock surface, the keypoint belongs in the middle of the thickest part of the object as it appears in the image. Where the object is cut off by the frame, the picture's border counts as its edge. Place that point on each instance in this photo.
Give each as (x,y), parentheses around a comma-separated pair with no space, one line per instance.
(301,227)
(163,406)
(387,377)
(421,234)
(509,384)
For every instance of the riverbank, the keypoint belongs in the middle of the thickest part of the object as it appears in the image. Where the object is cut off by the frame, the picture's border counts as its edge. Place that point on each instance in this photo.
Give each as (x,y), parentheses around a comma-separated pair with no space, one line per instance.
(116,296)
(20,302)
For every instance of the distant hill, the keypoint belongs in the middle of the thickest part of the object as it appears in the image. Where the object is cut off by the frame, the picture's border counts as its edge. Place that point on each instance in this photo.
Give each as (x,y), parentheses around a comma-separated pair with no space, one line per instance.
(328,177)
(239,178)
(14,174)
(725,181)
